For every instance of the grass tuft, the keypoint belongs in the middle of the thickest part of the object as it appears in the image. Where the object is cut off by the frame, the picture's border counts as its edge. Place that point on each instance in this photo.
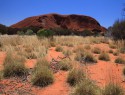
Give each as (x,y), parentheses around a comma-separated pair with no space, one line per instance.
(75,76)
(104,56)
(86,87)
(14,66)
(42,74)
(119,60)
(59,49)
(116,53)
(65,65)
(110,51)
(96,50)
(113,89)
(87,47)
(86,57)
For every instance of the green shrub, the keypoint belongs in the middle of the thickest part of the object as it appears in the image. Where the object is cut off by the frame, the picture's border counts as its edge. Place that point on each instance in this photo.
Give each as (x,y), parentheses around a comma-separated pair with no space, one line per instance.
(59,49)
(113,89)
(104,56)
(14,66)
(110,51)
(119,60)
(85,56)
(75,76)
(20,33)
(86,33)
(42,76)
(29,32)
(65,65)
(45,33)
(118,30)
(86,87)
(96,50)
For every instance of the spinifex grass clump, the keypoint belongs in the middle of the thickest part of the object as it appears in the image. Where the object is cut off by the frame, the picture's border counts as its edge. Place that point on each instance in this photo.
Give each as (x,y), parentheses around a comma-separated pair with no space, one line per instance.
(75,76)
(14,66)
(116,53)
(65,65)
(96,50)
(42,74)
(112,46)
(122,50)
(86,87)
(87,47)
(110,51)
(113,89)
(59,49)
(86,57)
(67,52)
(104,56)
(119,60)
(79,49)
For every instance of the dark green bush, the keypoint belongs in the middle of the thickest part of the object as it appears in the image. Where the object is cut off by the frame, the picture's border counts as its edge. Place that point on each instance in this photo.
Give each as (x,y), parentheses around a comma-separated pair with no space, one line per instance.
(29,32)
(86,33)
(118,30)
(45,33)
(20,33)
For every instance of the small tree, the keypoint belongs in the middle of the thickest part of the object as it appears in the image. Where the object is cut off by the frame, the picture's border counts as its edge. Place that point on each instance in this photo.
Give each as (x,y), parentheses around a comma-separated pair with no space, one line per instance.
(45,33)
(86,33)
(20,33)
(118,30)
(29,32)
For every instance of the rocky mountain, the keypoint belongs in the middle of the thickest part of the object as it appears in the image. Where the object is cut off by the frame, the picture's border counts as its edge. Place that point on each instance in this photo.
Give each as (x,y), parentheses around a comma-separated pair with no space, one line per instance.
(72,22)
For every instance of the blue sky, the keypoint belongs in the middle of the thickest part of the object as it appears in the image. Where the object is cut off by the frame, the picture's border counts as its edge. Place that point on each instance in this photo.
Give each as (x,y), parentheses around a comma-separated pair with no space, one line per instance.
(104,11)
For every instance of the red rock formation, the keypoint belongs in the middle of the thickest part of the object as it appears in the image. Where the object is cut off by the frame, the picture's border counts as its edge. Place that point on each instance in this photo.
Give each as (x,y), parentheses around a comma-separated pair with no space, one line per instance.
(49,21)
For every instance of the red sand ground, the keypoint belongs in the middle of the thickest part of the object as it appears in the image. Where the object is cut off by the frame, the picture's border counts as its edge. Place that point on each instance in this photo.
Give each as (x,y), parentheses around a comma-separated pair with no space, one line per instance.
(102,73)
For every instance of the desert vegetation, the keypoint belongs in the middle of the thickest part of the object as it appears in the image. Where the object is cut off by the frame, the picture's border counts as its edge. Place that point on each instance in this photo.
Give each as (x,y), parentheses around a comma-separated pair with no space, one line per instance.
(42,74)
(14,66)
(113,89)
(104,56)
(75,76)
(73,56)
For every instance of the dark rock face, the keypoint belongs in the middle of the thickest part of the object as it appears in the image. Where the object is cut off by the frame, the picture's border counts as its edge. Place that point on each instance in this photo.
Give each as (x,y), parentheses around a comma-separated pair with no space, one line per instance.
(73,22)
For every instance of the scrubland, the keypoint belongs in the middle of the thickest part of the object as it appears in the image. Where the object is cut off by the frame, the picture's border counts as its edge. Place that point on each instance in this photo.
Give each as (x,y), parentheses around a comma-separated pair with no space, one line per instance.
(62,65)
